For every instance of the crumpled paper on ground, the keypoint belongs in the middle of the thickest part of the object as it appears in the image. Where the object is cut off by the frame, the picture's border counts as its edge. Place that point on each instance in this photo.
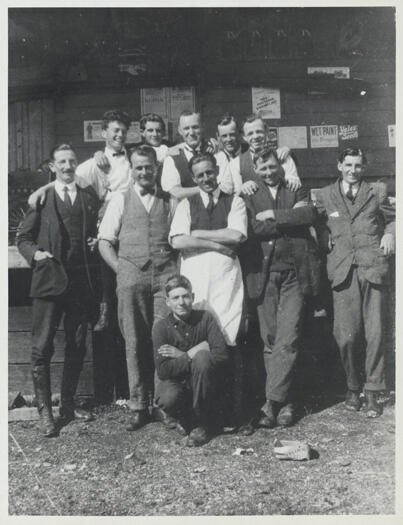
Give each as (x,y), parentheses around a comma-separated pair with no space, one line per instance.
(292,450)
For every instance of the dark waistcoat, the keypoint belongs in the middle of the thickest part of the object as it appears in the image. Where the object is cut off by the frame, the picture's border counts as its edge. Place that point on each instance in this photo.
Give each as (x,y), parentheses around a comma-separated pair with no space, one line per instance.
(71,229)
(217,219)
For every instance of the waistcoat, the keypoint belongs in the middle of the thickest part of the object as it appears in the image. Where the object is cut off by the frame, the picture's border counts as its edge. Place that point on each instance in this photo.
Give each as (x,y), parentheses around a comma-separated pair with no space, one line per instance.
(143,237)
(202,220)
(71,227)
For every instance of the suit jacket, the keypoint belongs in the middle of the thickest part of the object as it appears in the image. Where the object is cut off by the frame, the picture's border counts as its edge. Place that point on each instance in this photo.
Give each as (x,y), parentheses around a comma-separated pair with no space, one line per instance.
(289,223)
(40,230)
(356,234)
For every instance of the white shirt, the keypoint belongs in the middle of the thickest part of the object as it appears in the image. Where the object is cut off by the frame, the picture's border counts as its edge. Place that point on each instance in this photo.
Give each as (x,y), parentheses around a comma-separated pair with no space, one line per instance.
(161,151)
(224,175)
(273,191)
(170,175)
(346,186)
(71,188)
(105,184)
(237,217)
(112,220)
(234,172)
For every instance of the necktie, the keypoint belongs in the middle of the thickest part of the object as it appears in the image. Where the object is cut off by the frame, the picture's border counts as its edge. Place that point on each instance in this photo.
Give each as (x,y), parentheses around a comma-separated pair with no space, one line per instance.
(210,205)
(118,153)
(349,193)
(67,200)
(145,191)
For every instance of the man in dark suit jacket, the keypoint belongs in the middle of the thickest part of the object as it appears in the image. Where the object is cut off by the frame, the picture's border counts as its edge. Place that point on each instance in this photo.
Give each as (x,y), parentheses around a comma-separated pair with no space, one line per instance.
(54,241)
(281,268)
(360,221)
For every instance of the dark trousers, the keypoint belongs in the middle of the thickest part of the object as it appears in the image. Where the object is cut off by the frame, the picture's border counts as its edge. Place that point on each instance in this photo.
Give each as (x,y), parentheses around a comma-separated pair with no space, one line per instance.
(139,306)
(75,303)
(197,391)
(280,315)
(359,310)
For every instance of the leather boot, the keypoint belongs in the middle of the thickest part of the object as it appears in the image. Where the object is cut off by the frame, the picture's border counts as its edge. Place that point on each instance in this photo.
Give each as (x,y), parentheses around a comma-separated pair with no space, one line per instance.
(71,374)
(103,319)
(373,408)
(41,379)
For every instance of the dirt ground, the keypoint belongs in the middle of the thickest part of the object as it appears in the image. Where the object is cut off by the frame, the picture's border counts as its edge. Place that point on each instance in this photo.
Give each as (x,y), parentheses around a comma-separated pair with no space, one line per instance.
(100,469)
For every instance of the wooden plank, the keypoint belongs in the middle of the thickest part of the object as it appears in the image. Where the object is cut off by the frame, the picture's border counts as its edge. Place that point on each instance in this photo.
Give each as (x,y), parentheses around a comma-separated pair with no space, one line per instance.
(19,379)
(19,319)
(19,134)
(25,135)
(15,259)
(35,133)
(12,139)
(48,127)
(19,347)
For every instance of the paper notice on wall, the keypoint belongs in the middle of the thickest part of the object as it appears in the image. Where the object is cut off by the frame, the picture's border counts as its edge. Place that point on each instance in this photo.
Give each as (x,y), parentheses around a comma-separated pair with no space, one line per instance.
(336,72)
(154,100)
(272,137)
(179,100)
(294,137)
(392,135)
(133,134)
(266,102)
(324,136)
(93,131)
(348,132)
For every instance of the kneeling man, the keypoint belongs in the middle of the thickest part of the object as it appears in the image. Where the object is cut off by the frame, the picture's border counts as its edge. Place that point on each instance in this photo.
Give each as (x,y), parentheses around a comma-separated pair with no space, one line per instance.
(189,350)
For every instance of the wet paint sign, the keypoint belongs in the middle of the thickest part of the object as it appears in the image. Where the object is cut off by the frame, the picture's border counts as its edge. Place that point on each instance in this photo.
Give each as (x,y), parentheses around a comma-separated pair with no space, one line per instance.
(324,136)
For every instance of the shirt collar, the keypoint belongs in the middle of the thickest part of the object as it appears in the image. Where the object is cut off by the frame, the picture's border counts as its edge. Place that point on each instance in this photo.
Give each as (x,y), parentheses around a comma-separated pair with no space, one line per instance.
(109,152)
(137,187)
(60,185)
(193,151)
(237,153)
(204,195)
(180,322)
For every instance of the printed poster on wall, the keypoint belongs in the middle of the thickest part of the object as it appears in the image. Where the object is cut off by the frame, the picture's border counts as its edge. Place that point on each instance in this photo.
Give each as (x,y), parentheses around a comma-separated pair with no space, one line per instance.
(336,72)
(348,132)
(93,131)
(272,137)
(266,102)
(179,100)
(324,136)
(154,100)
(392,135)
(294,137)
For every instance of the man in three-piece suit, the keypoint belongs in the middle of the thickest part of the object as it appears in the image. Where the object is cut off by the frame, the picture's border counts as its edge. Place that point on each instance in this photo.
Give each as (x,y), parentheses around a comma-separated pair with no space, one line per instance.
(54,241)
(280,268)
(360,221)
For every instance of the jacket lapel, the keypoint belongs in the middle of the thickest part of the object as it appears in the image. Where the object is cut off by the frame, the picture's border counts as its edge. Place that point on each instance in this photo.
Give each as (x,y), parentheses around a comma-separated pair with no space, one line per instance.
(365,193)
(338,199)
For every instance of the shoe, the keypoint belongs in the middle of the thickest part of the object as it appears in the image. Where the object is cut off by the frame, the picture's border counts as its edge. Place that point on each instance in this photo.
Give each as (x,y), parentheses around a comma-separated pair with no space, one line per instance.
(352,401)
(198,437)
(138,419)
(103,319)
(373,408)
(67,416)
(286,415)
(164,418)
(268,417)
(41,380)
(246,430)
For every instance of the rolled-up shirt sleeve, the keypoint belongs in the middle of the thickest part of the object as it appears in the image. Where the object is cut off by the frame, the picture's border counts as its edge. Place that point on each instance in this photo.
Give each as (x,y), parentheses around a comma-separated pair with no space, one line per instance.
(237,217)
(112,220)
(289,167)
(234,172)
(170,175)
(181,220)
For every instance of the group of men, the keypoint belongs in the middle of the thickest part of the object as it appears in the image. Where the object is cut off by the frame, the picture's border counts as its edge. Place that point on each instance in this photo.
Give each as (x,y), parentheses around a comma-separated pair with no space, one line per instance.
(235,212)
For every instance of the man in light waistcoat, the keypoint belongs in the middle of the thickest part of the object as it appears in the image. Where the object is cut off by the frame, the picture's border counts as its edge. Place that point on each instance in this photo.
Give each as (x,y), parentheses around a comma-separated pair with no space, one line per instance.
(139,221)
